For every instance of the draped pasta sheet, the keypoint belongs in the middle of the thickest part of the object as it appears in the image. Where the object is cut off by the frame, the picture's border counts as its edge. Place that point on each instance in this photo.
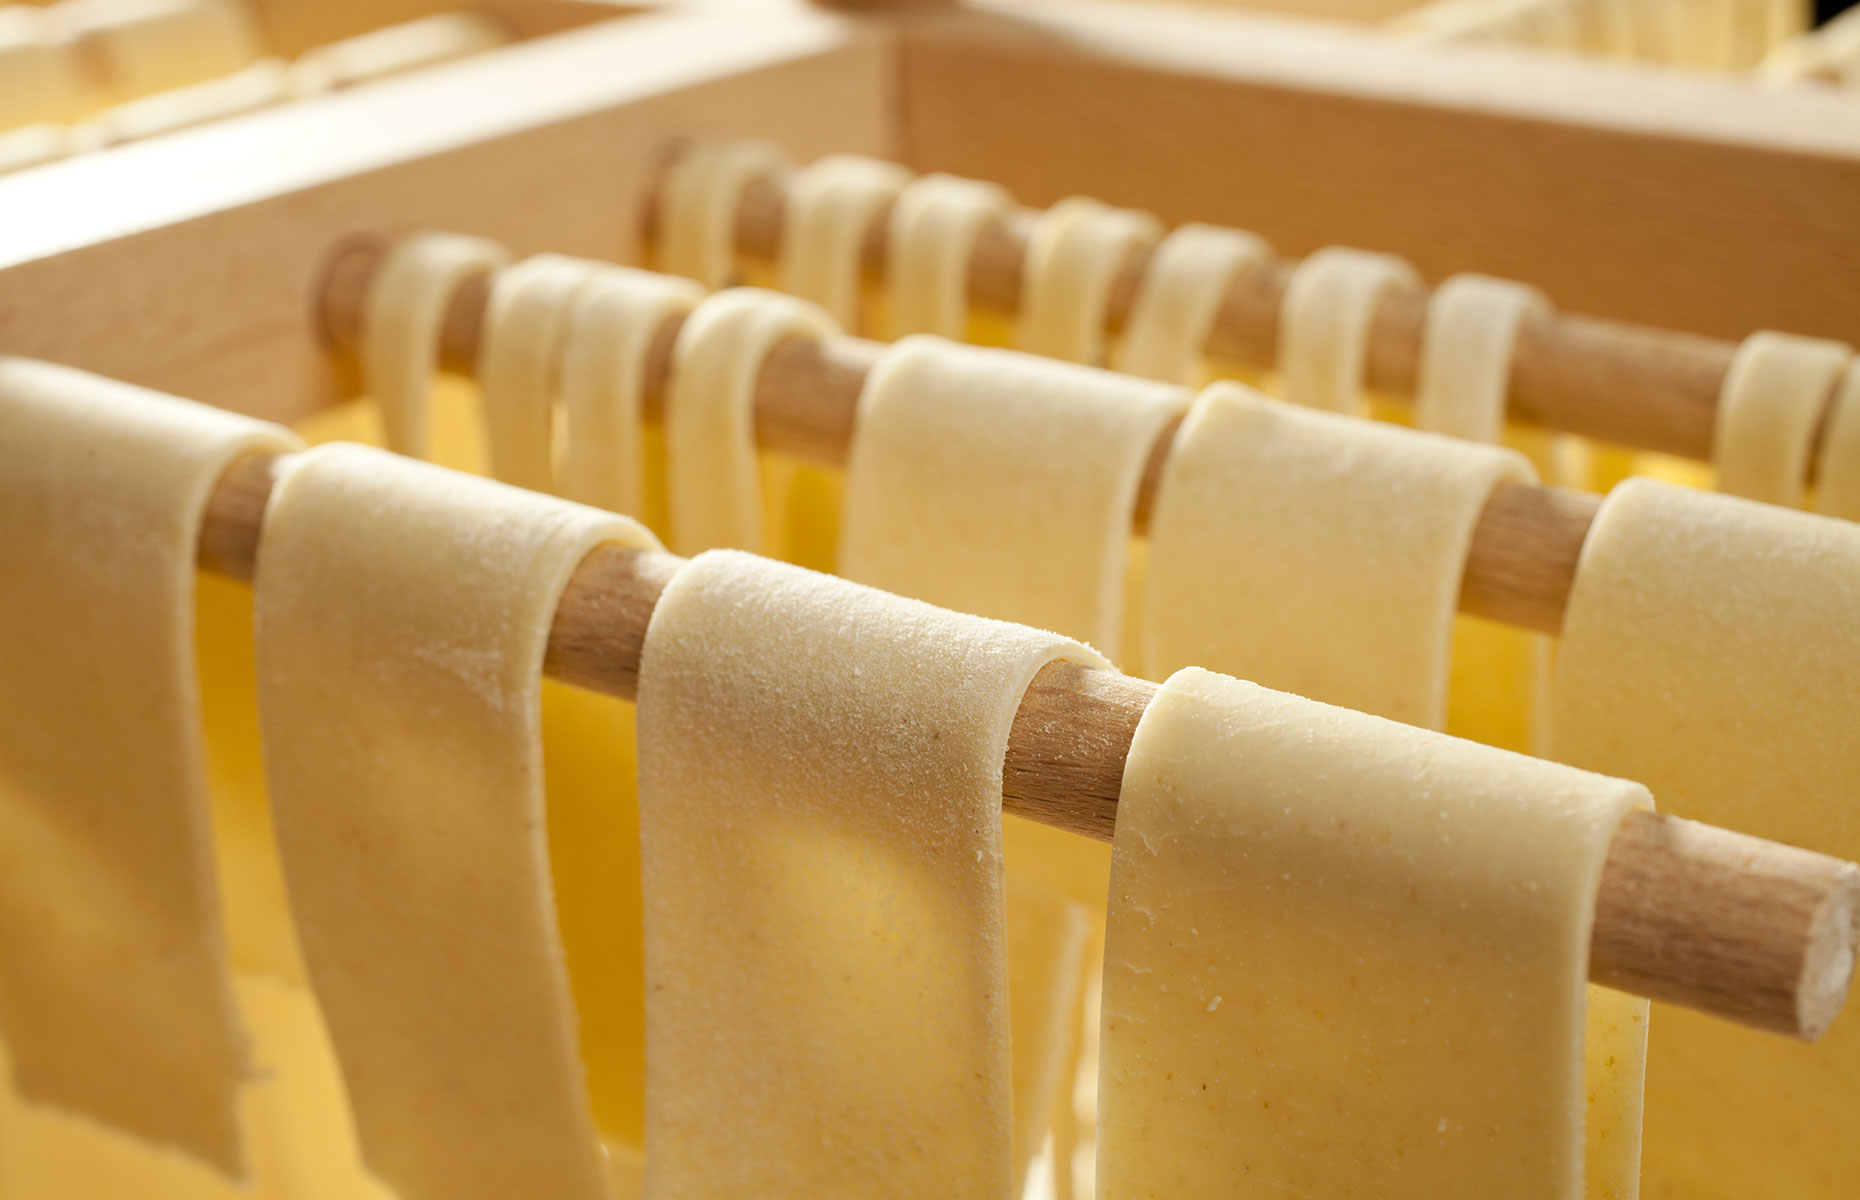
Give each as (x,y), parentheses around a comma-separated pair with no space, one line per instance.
(1769,410)
(603,367)
(830,208)
(525,322)
(114,982)
(930,239)
(1346,957)
(1001,484)
(1710,649)
(1315,553)
(1179,298)
(402,616)
(1073,259)
(714,485)
(820,794)
(402,318)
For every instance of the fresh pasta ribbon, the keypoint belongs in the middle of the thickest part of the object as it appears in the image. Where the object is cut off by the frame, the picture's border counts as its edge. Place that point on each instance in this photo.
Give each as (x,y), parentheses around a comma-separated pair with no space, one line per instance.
(396,592)
(519,361)
(402,317)
(1707,650)
(1079,248)
(1465,369)
(1187,278)
(1773,399)
(820,799)
(1346,956)
(713,483)
(999,484)
(831,206)
(1276,554)
(932,234)
(1325,320)
(115,986)
(1837,467)
(618,315)
(697,204)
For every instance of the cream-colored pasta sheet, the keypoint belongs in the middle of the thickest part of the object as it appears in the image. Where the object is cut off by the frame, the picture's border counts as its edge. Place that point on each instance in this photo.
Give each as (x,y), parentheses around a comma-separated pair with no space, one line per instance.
(402,615)
(1465,368)
(300,1146)
(1346,957)
(931,236)
(1771,404)
(1711,648)
(831,206)
(401,322)
(525,321)
(1001,484)
(698,202)
(1074,256)
(1315,553)
(610,334)
(714,486)
(1180,295)
(114,984)
(820,792)
(1326,318)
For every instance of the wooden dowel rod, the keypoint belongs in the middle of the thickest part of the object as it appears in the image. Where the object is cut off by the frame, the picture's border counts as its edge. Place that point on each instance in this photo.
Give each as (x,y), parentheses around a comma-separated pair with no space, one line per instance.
(1653,389)
(1735,926)
(1519,570)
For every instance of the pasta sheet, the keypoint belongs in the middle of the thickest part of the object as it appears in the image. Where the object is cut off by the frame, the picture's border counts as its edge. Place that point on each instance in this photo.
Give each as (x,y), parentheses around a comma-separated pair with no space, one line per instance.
(820,805)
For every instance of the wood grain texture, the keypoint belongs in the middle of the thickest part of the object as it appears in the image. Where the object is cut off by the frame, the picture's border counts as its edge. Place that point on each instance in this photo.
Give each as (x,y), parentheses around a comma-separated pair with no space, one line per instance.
(1519,570)
(1732,925)
(1674,200)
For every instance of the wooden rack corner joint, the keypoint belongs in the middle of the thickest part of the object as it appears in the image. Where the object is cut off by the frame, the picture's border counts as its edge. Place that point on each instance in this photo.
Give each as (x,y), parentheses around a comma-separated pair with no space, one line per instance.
(1736,926)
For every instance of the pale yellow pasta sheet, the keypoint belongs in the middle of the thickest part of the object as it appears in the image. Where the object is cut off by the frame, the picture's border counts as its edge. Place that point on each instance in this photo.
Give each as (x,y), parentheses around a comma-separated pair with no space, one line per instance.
(115,989)
(402,613)
(820,792)
(1346,957)
(1711,648)
(1315,553)
(1000,484)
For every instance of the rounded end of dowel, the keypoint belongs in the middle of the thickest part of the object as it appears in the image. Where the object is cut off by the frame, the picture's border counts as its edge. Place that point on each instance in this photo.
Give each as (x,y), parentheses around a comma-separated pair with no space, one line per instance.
(1746,929)
(342,288)
(1828,959)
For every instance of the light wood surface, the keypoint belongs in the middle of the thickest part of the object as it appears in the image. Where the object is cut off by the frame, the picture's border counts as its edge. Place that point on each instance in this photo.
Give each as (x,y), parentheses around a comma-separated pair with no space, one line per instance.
(1746,929)
(1525,546)
(1676,200)
(1686,203)
(183,263)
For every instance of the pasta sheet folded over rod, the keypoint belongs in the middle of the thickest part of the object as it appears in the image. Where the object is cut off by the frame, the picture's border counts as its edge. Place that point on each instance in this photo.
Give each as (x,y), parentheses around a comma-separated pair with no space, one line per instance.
(1347,957)
(115,989)
(820,806)
(1710,650)
(402,616)
(1000,484)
